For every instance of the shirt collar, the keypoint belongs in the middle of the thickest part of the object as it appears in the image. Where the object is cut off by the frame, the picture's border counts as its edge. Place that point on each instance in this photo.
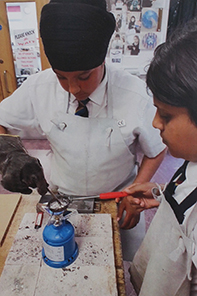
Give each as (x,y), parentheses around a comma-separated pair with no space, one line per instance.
(191,172)
(99,94)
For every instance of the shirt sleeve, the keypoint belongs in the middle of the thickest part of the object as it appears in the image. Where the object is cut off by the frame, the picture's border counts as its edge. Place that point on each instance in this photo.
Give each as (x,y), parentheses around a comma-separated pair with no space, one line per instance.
(16,111)
(134,107)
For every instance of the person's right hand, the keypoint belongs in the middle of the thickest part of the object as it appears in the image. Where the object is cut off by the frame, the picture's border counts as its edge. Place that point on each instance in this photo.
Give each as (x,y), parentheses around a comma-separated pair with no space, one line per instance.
(141,195)
(132,214)
(21,172)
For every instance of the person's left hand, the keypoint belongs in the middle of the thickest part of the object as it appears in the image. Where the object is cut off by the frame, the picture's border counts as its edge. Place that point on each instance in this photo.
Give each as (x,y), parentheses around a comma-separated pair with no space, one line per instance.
(141,194)
(132,216)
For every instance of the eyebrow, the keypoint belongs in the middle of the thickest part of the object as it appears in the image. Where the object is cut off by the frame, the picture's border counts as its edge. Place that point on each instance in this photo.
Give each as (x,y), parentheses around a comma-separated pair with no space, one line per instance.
(85,72)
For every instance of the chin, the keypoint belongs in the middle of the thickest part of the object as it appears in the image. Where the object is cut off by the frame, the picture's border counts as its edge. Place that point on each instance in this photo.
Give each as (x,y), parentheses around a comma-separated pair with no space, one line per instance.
(181,156)
(174,153)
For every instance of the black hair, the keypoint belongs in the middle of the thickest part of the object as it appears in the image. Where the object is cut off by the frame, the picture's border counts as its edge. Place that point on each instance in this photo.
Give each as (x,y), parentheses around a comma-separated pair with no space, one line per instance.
(172,74)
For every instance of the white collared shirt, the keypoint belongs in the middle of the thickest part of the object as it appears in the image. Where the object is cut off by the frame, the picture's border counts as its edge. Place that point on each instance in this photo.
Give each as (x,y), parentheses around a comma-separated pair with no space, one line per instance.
(40,99)
(181,192)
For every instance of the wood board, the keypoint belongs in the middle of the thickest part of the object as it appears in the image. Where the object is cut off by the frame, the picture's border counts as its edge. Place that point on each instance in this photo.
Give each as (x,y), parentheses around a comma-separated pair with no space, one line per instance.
(8,206)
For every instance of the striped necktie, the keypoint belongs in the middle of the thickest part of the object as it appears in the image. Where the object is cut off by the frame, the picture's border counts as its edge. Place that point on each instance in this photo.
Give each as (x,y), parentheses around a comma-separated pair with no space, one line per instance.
(190,200)
(82,109)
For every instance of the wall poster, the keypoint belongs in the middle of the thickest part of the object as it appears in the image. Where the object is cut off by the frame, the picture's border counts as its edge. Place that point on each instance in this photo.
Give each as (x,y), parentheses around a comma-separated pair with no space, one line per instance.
(22,19)
(141,25)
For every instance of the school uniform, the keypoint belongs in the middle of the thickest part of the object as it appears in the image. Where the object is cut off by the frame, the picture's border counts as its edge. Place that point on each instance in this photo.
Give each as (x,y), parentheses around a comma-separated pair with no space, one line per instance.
(166,262)
(95,154)
(89,155)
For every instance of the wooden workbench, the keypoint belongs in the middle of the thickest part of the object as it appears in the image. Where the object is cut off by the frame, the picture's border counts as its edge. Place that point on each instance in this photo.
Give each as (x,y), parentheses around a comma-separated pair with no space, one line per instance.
(28,205)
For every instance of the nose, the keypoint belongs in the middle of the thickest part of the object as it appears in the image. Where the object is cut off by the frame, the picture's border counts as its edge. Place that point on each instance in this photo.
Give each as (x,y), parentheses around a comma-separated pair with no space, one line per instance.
(73,86)
(157,123)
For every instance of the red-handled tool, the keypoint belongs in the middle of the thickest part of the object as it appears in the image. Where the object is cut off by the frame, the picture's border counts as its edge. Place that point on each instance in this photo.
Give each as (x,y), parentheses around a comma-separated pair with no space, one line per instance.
(61,202)
(112,195)
(107,195)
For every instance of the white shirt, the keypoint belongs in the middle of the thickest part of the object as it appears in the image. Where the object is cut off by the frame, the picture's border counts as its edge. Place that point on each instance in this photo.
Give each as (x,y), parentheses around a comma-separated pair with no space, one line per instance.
(36,102)
(182,191)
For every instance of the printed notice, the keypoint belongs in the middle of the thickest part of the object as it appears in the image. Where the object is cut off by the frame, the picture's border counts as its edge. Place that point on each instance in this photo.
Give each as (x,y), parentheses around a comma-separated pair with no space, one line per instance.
(24,38)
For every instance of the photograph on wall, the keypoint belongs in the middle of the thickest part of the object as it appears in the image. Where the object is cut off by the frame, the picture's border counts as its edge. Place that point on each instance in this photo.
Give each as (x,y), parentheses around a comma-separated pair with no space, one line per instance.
(141,25)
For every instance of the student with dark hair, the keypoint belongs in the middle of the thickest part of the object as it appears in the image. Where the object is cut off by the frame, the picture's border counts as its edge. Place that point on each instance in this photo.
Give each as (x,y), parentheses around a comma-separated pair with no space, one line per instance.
(166,262)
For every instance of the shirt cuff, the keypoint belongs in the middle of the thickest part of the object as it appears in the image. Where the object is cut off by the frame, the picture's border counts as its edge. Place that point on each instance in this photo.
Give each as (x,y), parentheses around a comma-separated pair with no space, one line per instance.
(157,192)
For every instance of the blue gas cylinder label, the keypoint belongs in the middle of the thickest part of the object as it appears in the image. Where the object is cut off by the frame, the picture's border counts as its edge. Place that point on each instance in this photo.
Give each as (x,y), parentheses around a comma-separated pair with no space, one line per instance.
(53,253)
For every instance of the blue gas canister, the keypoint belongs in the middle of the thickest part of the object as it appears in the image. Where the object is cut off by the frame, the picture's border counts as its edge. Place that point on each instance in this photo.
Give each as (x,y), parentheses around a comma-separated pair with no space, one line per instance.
(59,246)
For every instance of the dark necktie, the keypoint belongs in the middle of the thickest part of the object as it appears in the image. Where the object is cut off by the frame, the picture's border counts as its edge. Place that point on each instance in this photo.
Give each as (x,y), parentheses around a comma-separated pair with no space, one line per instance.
(190,200)
(82,109)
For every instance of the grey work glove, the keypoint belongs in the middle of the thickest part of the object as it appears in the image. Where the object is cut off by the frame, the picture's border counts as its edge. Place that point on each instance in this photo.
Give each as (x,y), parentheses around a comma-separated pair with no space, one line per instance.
(20,170)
